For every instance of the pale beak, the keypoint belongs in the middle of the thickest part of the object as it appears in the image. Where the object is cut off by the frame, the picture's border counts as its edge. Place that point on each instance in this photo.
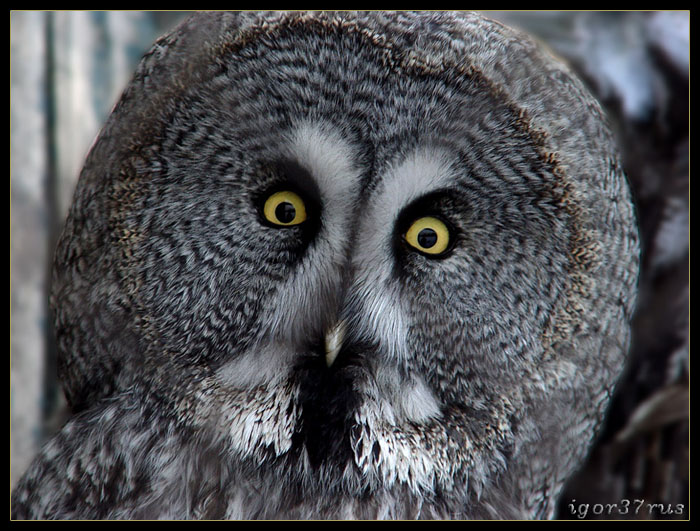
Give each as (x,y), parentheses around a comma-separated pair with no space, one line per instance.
(334,340)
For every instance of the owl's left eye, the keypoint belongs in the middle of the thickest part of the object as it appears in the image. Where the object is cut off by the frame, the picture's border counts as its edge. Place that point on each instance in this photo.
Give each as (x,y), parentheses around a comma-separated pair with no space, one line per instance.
(429,235)
(285,209)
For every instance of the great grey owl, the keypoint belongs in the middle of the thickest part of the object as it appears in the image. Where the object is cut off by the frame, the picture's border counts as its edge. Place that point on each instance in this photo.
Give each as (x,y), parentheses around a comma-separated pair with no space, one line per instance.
(338,265)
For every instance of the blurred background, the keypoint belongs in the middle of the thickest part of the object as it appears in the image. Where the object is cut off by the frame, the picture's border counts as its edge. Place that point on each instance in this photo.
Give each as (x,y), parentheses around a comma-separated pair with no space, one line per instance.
(68,69)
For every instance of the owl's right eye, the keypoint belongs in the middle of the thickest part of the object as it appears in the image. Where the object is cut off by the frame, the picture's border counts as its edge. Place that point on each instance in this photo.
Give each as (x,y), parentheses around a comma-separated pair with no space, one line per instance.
(284,209)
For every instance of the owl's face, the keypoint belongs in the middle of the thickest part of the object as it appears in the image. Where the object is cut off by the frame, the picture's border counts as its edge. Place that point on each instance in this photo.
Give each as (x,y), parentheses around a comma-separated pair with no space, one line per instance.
(345,256)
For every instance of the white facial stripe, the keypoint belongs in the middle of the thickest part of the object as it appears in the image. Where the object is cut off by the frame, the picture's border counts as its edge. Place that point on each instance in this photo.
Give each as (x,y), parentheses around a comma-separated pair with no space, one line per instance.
(375,294)
(376,311)
(334,165)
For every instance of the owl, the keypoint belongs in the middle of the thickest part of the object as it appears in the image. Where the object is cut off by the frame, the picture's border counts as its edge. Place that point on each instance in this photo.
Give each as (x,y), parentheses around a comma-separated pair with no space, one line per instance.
(342,265)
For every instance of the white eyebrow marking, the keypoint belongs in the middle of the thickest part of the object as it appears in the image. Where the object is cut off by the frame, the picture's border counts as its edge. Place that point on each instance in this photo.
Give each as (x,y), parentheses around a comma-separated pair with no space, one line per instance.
(333,163)
(424,170)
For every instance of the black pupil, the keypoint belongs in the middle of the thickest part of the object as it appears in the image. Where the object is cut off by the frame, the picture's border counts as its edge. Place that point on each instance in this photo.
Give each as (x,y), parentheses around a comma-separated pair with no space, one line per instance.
(427,238)
(285,212)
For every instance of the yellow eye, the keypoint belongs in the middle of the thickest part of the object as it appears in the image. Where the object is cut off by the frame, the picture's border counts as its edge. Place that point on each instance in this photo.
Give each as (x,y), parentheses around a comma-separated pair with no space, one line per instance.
(429,235)
(284,208)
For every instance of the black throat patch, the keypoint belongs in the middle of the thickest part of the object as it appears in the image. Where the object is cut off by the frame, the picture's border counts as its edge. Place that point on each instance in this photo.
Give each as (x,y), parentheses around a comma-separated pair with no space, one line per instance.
(328,400)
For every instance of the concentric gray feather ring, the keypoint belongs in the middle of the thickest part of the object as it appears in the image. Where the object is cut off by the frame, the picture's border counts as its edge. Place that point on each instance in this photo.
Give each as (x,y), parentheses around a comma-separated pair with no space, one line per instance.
(338,265)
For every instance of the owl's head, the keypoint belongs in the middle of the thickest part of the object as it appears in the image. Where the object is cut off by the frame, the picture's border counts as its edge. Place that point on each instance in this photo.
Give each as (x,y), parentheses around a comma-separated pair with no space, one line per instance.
(395,248)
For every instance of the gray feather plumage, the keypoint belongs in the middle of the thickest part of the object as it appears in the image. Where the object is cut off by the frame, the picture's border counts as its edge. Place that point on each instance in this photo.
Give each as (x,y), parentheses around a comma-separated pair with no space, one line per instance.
(468,387)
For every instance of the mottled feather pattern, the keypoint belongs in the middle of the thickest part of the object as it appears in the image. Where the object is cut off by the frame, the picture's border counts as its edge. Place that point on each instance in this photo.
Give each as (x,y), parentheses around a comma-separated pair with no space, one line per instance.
(191,330)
